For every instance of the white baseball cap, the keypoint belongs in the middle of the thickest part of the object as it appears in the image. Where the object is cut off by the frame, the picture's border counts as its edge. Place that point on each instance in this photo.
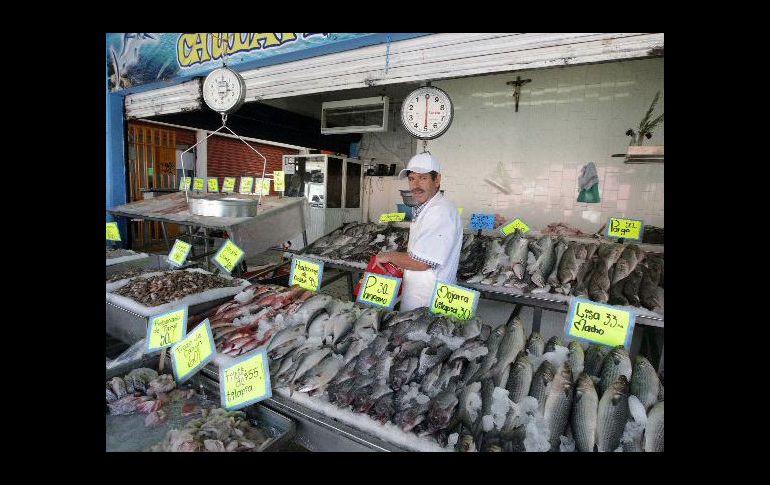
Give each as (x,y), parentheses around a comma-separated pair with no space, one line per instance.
(421,163)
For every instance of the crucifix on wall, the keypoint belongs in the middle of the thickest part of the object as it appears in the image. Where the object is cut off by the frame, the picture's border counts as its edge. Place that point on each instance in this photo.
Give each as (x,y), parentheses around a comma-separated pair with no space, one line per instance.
(518,83)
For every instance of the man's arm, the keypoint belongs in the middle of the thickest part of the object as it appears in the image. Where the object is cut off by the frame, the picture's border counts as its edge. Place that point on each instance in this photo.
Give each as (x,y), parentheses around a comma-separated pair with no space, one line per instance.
(402,260)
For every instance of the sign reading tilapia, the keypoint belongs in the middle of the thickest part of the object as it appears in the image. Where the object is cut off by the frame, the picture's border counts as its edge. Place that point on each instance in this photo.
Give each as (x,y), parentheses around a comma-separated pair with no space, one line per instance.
(228,256)
(245,382)
(625,228)
(603,324)
(306,273)
(179,253)
(189,355)
(379,290)
(167,329)
(454,301)
(113,234)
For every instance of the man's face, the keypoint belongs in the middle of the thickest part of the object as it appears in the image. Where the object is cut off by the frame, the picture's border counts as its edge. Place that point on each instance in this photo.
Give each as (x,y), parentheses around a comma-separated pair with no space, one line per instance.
(423,187)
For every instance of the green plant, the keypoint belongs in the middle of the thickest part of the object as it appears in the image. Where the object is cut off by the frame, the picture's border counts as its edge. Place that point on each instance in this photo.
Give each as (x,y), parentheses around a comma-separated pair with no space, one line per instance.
(646,125)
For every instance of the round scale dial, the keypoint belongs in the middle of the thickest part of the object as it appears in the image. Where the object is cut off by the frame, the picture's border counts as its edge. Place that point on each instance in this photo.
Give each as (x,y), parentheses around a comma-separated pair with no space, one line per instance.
(427,112)
(224,90)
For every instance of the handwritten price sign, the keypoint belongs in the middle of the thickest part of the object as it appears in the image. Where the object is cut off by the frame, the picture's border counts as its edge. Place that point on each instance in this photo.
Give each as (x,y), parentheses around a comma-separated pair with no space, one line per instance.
(454,301)
(190,354)
(166,330)
(596,322)
(482,221)
(625,228)
(113,234)
(247,185)
(517,224)
(198,184)
(184,183)
(278,181)
(228,256)
(245,382)
(393,217)
(263,187)
(306,273)
(228,185)
(213,185)
(179,253)
(379,290)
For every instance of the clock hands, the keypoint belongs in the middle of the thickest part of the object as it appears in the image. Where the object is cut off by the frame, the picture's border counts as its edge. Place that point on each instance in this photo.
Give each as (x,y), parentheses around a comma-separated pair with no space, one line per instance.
(426,111)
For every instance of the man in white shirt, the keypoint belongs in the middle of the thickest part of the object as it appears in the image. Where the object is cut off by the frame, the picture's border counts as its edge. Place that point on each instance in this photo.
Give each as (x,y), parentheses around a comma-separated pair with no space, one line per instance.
(435,235)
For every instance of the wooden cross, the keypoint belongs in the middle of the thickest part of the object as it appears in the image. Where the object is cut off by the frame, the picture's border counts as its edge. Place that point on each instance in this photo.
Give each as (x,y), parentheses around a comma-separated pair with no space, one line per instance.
(518,83)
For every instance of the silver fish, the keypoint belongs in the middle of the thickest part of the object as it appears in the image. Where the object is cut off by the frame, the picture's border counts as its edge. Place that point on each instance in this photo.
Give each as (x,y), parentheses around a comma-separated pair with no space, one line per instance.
(612,415)
(519,378)
(519,249)
(311,308)
(449,375)
(541,382)
(469,397)
(584,413)
(318,326)
(356,346)
(535,345)
(576,358)
(653,432)
(471,329)
(470,350)
(369,319)
(558,404)
(309,361)
(493,344)
(644,382)
(569,264)
(550,346)
(493,257)
(321,374)
(402,372)
(342,324)
(382,368)
(510,346)
(430,356)
(544,263)
(594,357)
(118,387)
(616,363)
(284,341)
(559,249)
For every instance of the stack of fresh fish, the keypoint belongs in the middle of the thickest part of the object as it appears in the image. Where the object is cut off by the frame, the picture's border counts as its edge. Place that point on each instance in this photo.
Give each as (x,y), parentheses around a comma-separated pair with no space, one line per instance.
(172,285)
(611,273)
(466,384)
(357,242)
(251,318)
(143,390)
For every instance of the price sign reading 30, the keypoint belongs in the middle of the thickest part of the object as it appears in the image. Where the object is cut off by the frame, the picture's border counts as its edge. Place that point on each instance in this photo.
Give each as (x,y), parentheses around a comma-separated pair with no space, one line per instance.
(245,382)
(189,355)
(454,301)
(379,290)
(596,322)
(167,329)
(306,273)
(228,256)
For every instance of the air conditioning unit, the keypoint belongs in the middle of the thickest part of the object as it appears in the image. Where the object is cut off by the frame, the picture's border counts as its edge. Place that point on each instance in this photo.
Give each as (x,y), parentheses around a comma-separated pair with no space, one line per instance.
(355,115)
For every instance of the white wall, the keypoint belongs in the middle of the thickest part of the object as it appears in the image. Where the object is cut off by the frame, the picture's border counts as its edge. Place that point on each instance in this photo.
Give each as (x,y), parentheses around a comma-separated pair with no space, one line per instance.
(567,117)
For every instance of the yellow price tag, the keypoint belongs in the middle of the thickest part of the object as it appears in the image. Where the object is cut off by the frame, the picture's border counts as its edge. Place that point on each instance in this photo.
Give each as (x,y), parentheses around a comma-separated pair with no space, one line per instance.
(245,382)
(198,184)
(515,225)
(213,184)
(454,301)
(379,290)
(263,187)
(184,183)
(113,234)
(228,256)
(247,185)
(190,354)
(179,252)
(278,181)
(393,217)
(228,185)
(166,330)
(306,274)
(625,228)
(599,323)
(461,210)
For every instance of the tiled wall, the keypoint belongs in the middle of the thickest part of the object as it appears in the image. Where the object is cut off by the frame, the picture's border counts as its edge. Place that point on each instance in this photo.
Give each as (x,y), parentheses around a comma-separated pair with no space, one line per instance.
(567,117)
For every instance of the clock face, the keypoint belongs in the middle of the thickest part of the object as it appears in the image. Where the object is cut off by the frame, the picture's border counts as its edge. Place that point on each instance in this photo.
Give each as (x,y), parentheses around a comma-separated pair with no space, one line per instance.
(427,112)
(224,90)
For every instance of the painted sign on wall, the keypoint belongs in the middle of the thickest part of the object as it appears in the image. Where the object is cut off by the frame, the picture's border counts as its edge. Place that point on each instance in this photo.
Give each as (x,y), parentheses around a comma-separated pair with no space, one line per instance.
(139,58)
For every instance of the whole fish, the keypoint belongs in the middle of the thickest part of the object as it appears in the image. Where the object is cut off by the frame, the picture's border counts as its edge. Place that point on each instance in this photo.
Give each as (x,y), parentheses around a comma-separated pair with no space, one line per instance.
(517,253)
(616,292)
(384,408)
(487,392)
(341,393)
(356,346)
(471,329)
(576,358)
(644,382)
(381,370)
(493,344)
(519,378)
(550,346)
(584,413)
(309,361)
(609,253)
(535,344)
(541,381)
(594,357)
(408,418)
(402,372)
(583,278)
(569,264)
(450,375)
(441,409)
(648,290)
(469,403)
(321,374)
(612,415)
(653,432)
(616,363)
(493,257)
(369,319)
(430,356)
(378,390)
(559,249)
(628,260)
(311,308)
(511,344)
(342,324)
(633,283)
(599,286)
(558,403)
(319,325)
(544,263)
(294,336)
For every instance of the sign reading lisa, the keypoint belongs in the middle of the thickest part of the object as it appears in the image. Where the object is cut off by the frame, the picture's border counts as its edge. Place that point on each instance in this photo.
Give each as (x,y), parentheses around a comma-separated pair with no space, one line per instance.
(228,185)
(306,273)
(278,181)
(190,354)
(454,301)
(625,228)
(517,224)
(379,290)
(113,234)
(393,217)
(247,185)
(184,183)
(198,184)
(482,221)
(599,323)
(166,330)
(228,256)
(213,184)
(179,253)
(245,382)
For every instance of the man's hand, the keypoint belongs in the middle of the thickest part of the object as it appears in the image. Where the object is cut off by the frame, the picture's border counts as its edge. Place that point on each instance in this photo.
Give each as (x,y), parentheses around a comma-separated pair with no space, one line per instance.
(381,258)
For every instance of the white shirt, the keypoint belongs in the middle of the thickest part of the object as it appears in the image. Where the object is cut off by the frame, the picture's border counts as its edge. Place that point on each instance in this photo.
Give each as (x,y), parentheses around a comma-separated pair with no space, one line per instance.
(435,237)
